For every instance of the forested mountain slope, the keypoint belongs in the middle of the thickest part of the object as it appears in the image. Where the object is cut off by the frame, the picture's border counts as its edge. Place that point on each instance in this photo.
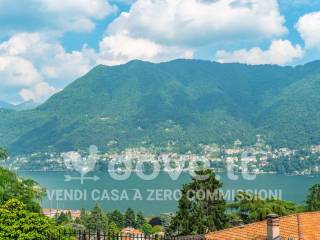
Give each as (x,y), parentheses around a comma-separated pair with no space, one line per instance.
(185,101)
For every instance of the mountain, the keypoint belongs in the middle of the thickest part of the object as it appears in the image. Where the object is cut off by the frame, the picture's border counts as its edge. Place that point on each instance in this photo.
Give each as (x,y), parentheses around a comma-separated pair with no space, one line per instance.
(184,101)
(6,105)
(19,107)
(26,105)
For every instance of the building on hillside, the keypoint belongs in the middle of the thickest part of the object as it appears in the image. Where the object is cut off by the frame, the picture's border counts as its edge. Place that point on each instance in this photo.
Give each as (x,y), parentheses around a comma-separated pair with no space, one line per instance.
(315,149)
(130,233)
(232,151)
(54,212)
(301,226)
(237,143)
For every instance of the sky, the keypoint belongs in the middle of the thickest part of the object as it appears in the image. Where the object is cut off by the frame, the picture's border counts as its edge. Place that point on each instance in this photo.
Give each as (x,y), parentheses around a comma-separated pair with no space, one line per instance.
(47,44)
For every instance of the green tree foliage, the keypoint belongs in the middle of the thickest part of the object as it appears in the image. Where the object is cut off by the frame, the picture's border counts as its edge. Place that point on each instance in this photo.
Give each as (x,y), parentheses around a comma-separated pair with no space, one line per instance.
(63,218)
(113,228)
(83,216)
(140,220)
(117,217)
(16,222)
(187,100)
(27,191)
(251,208)
(97,219)
(313,199)
(166,219)
(129,218)
(3,154)
(201,208)
(157,229)
(147,229)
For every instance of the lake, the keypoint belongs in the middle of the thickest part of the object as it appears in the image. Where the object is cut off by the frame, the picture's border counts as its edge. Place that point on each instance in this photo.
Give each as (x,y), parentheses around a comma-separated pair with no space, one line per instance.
(154,196)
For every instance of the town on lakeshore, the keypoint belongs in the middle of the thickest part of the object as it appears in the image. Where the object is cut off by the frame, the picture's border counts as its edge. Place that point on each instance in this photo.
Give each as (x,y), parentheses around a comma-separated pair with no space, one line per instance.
(258,158)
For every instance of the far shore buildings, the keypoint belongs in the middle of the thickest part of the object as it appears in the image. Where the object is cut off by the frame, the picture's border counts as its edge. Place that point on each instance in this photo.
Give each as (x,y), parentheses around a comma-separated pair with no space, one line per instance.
(51,213)
(301,226)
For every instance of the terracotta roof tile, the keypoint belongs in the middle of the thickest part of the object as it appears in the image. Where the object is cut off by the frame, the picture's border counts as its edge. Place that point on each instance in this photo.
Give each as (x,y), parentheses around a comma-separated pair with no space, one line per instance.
(306,225)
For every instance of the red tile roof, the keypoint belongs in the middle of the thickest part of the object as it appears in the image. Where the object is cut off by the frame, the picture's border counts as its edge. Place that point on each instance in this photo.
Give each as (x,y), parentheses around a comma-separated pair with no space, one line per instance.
(52,212)
(131,231)
(306,225)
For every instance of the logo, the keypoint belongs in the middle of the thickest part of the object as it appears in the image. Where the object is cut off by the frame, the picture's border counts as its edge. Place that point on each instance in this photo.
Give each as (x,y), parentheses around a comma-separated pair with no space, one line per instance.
(83,165)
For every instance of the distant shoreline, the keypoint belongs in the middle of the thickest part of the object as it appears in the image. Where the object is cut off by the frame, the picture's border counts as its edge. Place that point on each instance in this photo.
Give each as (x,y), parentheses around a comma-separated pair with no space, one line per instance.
(162,171)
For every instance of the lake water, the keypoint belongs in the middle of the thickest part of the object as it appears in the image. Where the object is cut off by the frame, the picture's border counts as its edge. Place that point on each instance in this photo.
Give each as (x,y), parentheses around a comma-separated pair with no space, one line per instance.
(155,196)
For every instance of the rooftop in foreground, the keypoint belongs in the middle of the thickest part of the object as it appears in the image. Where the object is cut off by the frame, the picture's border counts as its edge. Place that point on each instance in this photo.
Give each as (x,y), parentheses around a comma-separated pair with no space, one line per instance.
(302,226)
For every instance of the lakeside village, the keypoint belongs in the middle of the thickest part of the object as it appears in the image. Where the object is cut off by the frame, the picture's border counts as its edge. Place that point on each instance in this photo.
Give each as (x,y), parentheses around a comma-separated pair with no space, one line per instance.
(257,159)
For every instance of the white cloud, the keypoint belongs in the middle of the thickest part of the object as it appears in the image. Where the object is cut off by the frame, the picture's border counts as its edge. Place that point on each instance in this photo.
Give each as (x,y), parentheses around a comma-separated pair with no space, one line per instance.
(16,71)
(56,15)
(66,66)
(35,46)
(121,48)
(97,9)
(309,29)
(280,52)
(165,29)
(38,92)
(49,56)
(77,15)
(37,66)
(31,63)
(196,22)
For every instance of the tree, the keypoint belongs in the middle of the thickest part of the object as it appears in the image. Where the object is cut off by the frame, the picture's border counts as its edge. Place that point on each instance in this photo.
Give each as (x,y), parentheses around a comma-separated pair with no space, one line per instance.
(147,229)
(63,218)
(201,207)
(97,219)
(83,216)
(16,222)
(3,154)
(117,217)
(140,220)
(313,199)
(27,191)
(166,219)
(113,228)
(129,218)
(157,229)
(251,208)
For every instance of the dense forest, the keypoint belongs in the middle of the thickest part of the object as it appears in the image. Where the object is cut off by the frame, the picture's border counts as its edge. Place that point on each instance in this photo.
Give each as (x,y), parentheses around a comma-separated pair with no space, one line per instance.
(186,102)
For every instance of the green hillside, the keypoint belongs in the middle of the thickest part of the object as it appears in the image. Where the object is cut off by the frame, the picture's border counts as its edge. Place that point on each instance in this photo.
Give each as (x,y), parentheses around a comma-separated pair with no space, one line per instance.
(185,101)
